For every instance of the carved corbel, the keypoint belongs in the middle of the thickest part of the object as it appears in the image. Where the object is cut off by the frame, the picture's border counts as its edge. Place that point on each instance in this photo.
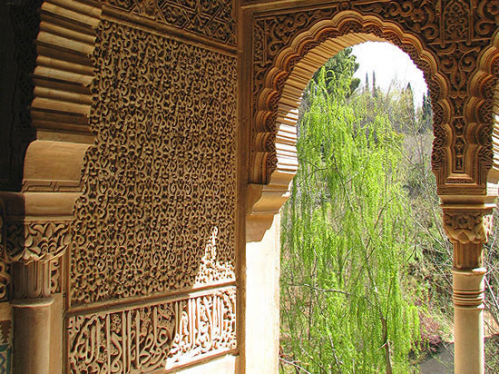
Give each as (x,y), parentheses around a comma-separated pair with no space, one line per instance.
(264,202)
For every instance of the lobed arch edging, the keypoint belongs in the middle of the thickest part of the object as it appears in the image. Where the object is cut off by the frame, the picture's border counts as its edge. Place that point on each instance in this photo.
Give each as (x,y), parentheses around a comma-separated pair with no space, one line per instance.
(275,160)
(482,109)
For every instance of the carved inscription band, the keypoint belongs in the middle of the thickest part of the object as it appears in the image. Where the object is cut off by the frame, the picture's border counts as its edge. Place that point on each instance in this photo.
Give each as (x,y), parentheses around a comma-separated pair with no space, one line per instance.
(157,336)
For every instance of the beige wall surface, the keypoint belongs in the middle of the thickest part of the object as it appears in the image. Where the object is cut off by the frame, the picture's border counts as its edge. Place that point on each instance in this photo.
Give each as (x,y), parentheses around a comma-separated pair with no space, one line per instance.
(262,302)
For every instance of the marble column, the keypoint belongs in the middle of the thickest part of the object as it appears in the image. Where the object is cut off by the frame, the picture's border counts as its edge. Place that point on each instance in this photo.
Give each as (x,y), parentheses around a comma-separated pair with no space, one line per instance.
(468,228)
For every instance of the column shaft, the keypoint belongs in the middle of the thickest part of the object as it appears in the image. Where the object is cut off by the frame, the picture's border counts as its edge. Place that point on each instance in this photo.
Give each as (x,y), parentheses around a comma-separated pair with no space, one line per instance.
(468,292)
(468,227)
(32,336)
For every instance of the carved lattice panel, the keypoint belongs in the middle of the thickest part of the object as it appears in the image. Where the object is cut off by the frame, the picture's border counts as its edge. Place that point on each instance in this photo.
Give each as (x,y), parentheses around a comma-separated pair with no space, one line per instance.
(158,206)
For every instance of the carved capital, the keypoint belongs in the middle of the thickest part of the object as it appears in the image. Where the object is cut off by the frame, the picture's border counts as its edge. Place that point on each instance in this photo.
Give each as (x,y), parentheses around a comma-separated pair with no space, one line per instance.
(467,226)
(31,280)
(37,241)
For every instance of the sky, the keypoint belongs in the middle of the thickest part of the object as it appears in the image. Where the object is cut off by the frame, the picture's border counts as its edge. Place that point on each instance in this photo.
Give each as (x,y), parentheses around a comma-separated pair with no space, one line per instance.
(390,64)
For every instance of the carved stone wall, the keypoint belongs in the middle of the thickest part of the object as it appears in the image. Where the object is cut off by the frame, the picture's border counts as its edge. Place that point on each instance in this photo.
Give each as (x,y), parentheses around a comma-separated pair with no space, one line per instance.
(157,213)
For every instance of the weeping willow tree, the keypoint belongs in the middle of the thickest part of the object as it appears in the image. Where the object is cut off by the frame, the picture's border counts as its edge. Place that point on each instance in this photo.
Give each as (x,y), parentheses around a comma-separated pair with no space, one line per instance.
(346,238)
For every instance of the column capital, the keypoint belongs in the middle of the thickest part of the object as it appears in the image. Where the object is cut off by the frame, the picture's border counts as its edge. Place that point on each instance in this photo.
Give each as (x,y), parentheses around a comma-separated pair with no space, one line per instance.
(468,224)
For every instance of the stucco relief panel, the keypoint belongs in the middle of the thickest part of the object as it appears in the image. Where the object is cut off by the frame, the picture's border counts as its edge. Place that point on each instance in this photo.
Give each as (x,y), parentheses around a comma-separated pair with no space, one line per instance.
(158,207)
(214,19)
(153,337)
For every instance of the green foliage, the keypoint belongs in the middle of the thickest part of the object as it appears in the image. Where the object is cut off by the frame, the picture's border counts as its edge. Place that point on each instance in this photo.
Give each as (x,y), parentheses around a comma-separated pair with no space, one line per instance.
(346,236)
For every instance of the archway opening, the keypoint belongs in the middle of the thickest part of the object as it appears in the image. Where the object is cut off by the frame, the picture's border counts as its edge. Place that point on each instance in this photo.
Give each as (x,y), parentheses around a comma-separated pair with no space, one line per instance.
(323,246)
(346,233)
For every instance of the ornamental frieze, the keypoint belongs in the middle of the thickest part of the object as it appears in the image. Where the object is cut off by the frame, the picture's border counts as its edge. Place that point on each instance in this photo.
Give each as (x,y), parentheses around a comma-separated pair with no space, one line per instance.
(153,337)
(214,19)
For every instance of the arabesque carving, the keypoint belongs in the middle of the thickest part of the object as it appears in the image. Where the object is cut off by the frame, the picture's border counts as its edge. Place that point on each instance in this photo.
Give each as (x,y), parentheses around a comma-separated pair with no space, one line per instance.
(153,337)
(159,185)
(445,39)
(214,19)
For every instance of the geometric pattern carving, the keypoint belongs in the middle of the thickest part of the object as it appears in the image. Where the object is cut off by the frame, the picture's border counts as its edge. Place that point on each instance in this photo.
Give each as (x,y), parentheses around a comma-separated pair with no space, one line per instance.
(5,358)
(5,332)
(214,19)
(468,226)
(453,32)
(158,198)
(153,337)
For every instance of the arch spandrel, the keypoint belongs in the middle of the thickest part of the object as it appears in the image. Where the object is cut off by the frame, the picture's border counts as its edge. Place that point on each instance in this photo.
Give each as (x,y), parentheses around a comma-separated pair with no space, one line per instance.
(444,39)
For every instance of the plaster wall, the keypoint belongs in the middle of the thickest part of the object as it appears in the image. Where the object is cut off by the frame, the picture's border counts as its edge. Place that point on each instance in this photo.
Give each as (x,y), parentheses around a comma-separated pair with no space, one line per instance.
(262,302)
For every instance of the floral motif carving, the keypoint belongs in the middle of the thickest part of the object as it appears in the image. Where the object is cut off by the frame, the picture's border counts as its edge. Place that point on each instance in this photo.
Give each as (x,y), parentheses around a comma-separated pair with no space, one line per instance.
(214,19)
(454,33)
(468,226)
(160,181)
(34,241)
(153,337)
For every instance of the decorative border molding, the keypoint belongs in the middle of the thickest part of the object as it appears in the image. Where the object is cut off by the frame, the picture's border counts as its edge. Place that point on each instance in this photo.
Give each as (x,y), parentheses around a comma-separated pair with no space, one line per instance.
(214,19)
(162,335)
